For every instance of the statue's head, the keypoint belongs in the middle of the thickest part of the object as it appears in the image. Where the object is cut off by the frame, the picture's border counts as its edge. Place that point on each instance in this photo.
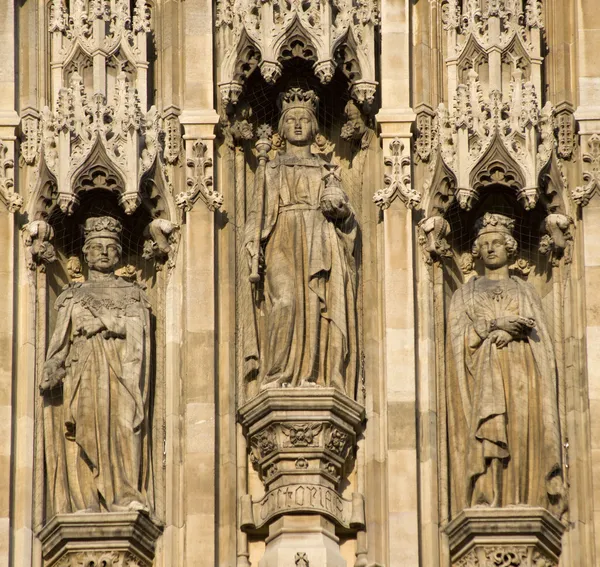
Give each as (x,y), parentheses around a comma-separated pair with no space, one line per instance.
(494,243)
(102,248)
(298,123)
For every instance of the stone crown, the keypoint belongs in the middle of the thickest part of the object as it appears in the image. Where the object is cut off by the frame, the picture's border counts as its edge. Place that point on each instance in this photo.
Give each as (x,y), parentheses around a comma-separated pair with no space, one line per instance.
(102,227)
(493,222)
(298,98)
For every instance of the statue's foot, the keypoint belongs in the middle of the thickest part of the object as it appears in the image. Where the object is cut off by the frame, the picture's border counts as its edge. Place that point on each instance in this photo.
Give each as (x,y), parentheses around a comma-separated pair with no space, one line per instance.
(132,506)
(309,384)
(138,506)
(274,384)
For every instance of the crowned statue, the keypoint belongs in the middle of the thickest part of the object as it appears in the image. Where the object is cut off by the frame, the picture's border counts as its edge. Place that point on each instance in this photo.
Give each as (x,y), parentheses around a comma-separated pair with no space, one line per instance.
(300,243)
(503,419)
(96,387)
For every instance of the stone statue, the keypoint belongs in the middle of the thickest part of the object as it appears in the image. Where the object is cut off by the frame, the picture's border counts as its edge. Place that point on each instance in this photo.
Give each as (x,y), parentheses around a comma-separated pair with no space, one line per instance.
(503,422)
(96,387)
(303,230)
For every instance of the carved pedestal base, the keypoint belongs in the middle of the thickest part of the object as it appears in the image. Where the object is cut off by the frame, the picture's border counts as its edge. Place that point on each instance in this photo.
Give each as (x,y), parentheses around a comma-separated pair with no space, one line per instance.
(505,537)
(302,443)
(88,540)
(305,541)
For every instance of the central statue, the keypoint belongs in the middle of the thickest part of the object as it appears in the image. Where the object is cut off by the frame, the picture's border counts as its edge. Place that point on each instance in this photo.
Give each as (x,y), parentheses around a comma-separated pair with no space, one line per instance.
(301,234)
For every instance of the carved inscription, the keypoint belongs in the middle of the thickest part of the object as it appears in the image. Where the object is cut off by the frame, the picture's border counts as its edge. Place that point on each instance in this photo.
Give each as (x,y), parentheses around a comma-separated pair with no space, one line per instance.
(302,498)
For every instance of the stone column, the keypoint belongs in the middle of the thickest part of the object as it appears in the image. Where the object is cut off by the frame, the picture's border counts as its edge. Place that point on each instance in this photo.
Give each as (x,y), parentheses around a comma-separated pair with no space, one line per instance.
(398,542)
(302,442)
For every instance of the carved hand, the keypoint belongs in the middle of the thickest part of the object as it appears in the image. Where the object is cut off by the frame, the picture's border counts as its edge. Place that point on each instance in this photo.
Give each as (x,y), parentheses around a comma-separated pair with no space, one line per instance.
(500,338)
(252,248)
(54,374)
(90,326)
(515,325)
(335,207)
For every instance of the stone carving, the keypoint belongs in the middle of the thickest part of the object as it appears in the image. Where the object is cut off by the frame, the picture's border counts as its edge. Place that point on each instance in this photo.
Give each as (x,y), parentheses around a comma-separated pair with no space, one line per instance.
(200,181)
(565,123)
(301,560)
(37,238)
(97,386)
(505,556)
(558,240)
(162,243)
(591,175)
(502,386)
(173,140)
(398,180)
(302,231)
(432,237)
(101,559)
(494,131)
(301,434)
(306,497)
(30,131)
(265,34)
(12,201)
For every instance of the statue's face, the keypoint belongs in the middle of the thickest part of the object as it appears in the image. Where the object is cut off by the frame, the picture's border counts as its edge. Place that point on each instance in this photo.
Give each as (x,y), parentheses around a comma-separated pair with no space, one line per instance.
(298,126)
(102,254)
(492,249)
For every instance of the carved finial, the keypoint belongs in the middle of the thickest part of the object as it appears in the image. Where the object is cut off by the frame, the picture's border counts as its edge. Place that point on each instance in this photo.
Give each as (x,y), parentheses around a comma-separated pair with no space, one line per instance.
(200,182)
(398,181)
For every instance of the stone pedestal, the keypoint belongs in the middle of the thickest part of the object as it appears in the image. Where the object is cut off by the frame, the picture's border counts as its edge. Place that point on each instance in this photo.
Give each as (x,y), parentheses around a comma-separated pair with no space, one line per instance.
(302,443)
(125,539)
(498,537)
(302,541)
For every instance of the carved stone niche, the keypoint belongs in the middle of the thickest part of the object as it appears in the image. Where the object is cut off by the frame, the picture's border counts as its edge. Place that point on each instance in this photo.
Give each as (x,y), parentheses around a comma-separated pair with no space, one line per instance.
(505,537)
(125,539)
(302,444)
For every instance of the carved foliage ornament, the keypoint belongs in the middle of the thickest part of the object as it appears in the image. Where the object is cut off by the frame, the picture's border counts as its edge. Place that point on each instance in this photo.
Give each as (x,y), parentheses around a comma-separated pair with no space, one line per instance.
(398,180)
(199,181)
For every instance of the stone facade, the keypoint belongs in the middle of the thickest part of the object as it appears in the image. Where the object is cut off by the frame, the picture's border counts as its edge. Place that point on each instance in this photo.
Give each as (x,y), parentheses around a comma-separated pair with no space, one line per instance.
(299,283)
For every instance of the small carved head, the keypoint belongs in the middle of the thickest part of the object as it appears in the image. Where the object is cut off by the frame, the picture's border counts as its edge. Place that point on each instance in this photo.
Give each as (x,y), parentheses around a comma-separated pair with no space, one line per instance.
(102,248)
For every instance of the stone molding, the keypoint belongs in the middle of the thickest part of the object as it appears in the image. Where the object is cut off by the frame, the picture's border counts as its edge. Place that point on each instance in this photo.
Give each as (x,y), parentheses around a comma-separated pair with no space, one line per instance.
(516,536)
(123,539)
(302,441)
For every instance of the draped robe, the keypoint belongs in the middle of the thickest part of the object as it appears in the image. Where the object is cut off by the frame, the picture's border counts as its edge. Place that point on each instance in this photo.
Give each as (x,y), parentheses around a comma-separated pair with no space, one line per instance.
(304,332)
(502,402)
(96,434)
